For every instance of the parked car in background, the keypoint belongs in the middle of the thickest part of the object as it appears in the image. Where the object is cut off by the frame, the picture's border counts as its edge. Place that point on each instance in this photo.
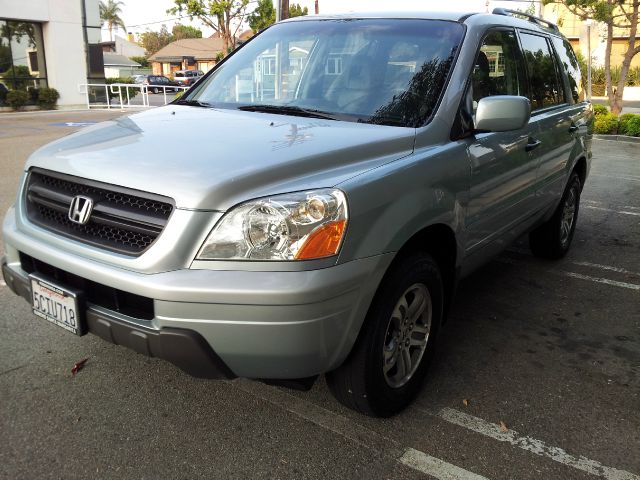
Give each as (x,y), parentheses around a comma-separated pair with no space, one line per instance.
(187,77)
(313,218)
(157,82)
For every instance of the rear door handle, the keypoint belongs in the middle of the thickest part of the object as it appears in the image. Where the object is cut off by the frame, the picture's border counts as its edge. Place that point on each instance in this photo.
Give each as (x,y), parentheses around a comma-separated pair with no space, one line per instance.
(532,143)
(573,128)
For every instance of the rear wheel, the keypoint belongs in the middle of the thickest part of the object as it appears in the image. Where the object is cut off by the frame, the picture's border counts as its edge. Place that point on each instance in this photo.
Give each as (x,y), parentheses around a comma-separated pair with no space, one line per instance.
(389,361)
(553,238)
(155,89)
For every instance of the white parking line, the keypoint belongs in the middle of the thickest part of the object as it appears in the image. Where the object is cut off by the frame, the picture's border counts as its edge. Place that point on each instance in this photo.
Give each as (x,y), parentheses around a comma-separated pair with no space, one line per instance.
(621,212)
(538,447)
(355,432)
(606,281)
(606,267)
(435,467)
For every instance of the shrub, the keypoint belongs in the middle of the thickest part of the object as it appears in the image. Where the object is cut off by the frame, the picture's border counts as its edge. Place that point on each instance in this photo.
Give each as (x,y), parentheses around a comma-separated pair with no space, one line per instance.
(606,124)
(34,93)
(48,98)
(600,110)
(623,121)
(132,91)
(633,126)
(17,99)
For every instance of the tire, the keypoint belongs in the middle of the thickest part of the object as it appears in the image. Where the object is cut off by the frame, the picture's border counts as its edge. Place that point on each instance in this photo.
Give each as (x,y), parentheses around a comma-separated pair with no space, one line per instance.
(553,238)
(155,90)
(374,379)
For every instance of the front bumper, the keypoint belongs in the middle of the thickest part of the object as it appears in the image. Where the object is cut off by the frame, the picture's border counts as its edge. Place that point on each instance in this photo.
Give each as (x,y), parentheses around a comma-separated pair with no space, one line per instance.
(256,324)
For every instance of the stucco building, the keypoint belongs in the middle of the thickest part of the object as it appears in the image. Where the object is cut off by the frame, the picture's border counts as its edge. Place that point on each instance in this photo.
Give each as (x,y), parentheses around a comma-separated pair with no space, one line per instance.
(54,43)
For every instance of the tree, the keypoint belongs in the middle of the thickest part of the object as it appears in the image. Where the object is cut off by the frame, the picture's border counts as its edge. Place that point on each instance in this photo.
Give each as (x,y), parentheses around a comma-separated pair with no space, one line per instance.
(615,14)
(185,31)
(263,16)
(225,17)
(296,10)
(110,14)
(154,41)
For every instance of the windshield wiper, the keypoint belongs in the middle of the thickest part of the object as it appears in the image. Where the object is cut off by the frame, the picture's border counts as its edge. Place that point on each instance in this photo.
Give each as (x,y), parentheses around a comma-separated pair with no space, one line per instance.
(194,103)
(288,110)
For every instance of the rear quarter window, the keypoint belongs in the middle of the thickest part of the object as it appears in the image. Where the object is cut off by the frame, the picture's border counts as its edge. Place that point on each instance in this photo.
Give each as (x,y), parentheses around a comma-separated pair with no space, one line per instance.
(569,63)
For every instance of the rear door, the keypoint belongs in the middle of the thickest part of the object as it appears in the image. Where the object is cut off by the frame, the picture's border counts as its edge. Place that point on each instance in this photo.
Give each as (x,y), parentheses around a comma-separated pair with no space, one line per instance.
(551,109)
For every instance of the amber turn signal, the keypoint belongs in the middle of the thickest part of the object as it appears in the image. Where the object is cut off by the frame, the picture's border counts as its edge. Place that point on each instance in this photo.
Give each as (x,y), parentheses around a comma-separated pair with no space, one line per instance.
(323,242)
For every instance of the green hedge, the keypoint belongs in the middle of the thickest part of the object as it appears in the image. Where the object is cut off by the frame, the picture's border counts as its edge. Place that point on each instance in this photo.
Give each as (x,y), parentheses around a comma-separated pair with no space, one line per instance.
(47,98)
(606,124)
(132,91)
(17,99)
(633,126)
(609,124)
(600,109)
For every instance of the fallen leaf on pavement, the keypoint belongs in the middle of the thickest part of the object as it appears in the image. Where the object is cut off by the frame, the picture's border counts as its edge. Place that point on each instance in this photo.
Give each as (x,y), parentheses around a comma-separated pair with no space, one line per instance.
(78,366)
(503,427)
(465,402)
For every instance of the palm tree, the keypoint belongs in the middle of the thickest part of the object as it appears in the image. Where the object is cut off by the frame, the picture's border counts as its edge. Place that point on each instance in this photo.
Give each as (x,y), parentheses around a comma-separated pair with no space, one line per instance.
(110,14)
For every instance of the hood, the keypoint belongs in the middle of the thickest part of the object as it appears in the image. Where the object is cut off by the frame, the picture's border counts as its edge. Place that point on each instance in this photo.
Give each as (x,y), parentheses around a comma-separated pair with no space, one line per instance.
(213,159)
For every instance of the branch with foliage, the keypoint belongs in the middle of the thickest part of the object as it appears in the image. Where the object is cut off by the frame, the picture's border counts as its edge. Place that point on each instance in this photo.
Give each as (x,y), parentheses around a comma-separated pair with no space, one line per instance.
(265,14)
(225,17)
(615,14)
(154,41)
(180,31)
(110,14)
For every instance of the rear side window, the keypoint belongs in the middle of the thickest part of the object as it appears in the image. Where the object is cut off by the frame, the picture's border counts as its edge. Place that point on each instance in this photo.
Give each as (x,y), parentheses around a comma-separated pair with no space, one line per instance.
(545,89)
(571,67)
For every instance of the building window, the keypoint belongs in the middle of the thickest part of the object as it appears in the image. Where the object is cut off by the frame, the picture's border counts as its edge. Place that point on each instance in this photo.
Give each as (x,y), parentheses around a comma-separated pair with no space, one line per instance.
(22,63)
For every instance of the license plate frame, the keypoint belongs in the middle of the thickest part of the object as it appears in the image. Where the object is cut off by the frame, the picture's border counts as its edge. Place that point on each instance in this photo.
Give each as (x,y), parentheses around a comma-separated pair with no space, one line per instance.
(58,304)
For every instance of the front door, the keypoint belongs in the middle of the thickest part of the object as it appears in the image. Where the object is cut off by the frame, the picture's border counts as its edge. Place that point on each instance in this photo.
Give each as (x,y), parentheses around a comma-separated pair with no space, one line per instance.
(503,164)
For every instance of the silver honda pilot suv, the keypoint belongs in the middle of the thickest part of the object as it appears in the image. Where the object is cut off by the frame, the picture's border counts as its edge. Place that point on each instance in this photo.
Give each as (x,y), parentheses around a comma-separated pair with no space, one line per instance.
(309,206)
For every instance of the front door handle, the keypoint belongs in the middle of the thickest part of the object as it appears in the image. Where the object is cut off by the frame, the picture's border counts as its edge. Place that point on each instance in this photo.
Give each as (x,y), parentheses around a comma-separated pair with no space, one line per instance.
(532,143)
(573,128)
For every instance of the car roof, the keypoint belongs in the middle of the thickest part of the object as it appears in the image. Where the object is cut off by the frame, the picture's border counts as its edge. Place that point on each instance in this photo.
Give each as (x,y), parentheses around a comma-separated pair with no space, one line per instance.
(470,18)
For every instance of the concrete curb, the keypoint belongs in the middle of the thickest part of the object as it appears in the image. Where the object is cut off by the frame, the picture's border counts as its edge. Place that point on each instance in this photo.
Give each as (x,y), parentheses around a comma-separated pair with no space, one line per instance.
(618,138)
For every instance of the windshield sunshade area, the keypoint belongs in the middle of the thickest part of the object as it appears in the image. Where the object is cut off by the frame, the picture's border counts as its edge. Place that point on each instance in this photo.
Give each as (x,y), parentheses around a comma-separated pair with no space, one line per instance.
(380,71)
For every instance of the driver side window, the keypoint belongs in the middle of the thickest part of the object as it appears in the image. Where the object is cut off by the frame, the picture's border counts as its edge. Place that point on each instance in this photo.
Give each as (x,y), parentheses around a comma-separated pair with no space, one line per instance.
(498,69)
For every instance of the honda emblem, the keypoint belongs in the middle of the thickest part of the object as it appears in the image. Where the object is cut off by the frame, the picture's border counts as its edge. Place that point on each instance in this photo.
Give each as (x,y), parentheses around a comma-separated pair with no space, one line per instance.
(80,209)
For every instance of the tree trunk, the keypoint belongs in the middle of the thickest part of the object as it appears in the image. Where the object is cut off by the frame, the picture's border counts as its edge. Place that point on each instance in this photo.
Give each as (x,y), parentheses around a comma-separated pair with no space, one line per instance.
(607,64)
(616,105)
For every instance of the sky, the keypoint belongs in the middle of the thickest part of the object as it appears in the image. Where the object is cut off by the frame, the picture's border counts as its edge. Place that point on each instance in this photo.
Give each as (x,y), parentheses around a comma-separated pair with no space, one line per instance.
(142,15)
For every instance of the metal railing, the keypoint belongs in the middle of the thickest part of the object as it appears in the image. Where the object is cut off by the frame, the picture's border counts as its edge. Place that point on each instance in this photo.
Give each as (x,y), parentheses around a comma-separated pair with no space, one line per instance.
(126,95)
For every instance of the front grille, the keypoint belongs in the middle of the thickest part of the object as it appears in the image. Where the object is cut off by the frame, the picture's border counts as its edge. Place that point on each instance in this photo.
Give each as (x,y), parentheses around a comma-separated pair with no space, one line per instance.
(110,298)
(123,220)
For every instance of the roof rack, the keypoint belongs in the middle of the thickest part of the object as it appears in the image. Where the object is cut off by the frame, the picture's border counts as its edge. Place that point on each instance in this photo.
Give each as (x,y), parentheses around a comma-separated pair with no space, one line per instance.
(531,18)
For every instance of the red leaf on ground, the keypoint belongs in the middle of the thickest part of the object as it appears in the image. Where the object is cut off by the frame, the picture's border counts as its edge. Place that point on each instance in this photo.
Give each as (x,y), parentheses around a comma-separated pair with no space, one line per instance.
(78,366)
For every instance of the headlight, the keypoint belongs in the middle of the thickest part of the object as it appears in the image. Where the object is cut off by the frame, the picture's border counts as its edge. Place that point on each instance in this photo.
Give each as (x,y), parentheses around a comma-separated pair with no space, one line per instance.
(295,226)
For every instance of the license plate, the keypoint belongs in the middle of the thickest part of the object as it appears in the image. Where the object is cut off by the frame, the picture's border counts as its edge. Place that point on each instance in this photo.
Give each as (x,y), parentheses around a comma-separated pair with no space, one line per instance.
(58,305)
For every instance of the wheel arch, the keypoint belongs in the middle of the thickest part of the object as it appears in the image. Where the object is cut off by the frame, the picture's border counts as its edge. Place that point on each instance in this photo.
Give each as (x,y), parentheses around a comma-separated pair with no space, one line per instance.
(439,241)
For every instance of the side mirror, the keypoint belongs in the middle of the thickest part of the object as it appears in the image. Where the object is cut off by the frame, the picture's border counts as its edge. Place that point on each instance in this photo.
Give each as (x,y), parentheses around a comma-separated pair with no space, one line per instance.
(502,113)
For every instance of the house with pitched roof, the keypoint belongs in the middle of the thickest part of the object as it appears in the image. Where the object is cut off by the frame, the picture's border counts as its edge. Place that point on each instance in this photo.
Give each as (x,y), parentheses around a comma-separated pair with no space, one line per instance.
(187,54)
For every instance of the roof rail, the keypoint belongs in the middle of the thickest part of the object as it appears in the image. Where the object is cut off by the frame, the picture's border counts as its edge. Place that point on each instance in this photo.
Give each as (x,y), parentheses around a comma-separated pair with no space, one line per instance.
(531,18)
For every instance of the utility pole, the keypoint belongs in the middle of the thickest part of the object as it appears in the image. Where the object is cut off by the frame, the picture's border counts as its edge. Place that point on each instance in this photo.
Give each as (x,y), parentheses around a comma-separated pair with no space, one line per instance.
(317,7)
(282,10)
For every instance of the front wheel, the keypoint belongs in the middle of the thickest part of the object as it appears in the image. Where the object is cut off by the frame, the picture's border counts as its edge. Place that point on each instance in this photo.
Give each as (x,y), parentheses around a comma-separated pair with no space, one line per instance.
(553,238)
(389,361)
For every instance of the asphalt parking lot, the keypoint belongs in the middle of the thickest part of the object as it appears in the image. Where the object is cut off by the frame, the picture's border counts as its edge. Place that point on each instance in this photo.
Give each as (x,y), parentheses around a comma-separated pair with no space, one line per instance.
(537,375)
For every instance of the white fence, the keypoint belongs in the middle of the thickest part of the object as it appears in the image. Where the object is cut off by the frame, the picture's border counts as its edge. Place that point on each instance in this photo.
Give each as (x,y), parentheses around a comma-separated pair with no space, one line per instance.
(127,95)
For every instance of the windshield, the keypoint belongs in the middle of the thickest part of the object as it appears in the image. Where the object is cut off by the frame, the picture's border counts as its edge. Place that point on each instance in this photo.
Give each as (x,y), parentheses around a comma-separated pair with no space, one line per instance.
(382,71)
